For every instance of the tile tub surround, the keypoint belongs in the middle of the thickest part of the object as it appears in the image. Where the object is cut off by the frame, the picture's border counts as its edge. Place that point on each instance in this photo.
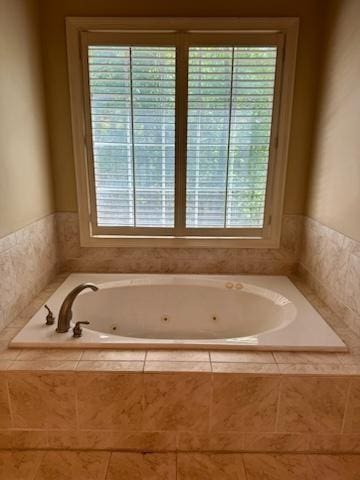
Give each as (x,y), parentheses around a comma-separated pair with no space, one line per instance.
(28,261)
(179,412)
(281,261)
(79,465)
(179,401)
(330,263)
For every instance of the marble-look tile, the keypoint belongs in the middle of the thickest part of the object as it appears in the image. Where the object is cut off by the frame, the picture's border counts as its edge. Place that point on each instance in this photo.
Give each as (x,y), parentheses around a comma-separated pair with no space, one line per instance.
(23,439)
(79,439)
(244,404)
(250,368)
(65,465)
(242,357)
(4,347)
(334,268)
(47,365)
(326,369)
(306,357)
(352,415)
(144,441)
(352,320)
(313,246)
(116,401)
(9,353)
(7,242)
(5,417)
(336,467)
(213,441)
(312,404)
(2,319)
(112,440)
(325,302)
(177,401)
(352,287)
(8,283)
(350,338)
(27,264)
(353,246)
(331,265)
(277,467)
(5,365)
(119,355)
(348,359)
(19,465)
(35,354)
(109,366)
(325,443)
(167,260)
(42,400)
(198,466)
(276,442)
(291,236)
(170,366)
(68,235)
(8,333)
(177,356)
(349,443)
(137,466)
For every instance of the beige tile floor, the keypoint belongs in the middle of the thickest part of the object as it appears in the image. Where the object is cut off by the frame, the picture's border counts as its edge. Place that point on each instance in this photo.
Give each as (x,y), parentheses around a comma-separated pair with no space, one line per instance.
(82,465)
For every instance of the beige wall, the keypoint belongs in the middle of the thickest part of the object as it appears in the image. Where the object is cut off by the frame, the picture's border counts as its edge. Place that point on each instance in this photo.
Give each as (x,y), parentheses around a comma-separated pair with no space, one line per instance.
(53,18)
(25,179)
(334,190)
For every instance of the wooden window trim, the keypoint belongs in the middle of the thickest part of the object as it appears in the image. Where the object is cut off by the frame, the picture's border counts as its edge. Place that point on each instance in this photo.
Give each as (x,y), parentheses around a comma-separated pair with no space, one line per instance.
(83,30)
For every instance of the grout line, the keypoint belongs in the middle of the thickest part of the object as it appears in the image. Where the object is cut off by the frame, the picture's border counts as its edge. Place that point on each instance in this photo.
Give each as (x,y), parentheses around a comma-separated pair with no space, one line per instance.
(176,460)
(40,461)
(77,421)
(9,402)
(278,405)
(309,457)
(244,464)
(347,401)
(244,467)
(211,402)
(108,465)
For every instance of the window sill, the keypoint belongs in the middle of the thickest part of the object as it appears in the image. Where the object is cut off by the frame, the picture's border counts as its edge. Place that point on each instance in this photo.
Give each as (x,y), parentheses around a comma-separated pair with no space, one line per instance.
(117,241)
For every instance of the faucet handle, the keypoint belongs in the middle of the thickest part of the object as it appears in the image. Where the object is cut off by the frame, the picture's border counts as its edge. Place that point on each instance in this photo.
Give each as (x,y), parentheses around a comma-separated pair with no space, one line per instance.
(77,330)
(50,319)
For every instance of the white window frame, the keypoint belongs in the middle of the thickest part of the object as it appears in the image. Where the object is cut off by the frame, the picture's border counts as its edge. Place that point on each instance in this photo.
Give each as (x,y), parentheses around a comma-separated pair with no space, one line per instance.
(83,30)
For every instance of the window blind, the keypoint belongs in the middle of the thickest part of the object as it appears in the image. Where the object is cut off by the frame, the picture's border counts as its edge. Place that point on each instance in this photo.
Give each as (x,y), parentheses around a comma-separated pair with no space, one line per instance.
(132,102)
(230,102)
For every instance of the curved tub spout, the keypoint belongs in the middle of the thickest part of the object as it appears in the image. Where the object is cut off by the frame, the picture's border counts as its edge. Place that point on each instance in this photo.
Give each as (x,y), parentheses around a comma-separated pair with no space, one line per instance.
(65,313)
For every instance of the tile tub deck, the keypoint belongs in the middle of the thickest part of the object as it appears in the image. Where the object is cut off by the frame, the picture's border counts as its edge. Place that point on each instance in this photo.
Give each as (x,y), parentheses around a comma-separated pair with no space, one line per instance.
(194,402)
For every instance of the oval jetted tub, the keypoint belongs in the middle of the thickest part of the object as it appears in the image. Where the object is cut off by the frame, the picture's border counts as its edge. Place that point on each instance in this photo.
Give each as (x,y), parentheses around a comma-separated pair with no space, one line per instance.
(185,311)
(183,308)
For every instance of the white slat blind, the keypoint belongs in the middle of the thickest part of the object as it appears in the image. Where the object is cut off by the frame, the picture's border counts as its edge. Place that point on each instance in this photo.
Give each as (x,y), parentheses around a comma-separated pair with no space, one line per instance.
(132,98)
(230,101)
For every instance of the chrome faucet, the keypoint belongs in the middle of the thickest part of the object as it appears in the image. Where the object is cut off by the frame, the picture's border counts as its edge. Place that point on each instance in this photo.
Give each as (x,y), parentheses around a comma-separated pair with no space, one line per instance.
(65,313)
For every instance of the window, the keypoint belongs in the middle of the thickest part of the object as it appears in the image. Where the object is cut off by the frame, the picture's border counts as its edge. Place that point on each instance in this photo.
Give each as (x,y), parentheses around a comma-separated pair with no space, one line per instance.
(181,131)
(132,101)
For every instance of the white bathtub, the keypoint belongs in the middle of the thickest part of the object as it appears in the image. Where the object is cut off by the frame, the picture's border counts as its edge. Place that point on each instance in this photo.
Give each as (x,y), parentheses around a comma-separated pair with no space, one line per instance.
(185,311)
